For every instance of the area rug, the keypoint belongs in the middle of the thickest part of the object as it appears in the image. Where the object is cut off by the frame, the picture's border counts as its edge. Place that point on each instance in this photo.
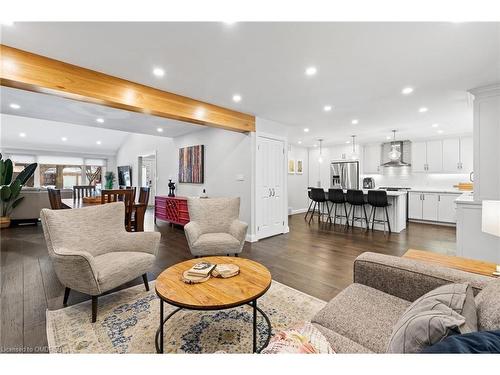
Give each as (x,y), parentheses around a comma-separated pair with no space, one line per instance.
(128,319)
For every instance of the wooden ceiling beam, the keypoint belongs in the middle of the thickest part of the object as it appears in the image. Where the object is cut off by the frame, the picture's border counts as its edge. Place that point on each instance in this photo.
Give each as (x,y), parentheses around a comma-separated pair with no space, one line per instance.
(28,71)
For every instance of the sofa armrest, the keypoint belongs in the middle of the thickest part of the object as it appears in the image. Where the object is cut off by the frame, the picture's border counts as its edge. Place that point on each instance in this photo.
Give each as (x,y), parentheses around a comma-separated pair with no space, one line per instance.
(146,242)
(192,231)
(407,278)
(238,229)
(76,269)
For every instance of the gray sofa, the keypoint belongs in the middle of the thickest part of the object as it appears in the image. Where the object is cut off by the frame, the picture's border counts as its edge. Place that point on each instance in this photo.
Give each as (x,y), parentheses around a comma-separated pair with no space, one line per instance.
(360,319)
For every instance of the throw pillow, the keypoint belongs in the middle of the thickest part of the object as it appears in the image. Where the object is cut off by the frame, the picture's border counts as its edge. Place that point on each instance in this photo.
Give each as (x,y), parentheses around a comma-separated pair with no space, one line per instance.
(444,311)
(488,307)
(305,339)
(470,343)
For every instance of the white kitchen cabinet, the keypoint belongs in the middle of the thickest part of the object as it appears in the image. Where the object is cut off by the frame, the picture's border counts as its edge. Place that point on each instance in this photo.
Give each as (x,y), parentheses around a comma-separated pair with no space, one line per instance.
(451,155)
(419,156)
(435,156)
(447,211)
(466,155)
(430,206)
(415,206)
(371,159)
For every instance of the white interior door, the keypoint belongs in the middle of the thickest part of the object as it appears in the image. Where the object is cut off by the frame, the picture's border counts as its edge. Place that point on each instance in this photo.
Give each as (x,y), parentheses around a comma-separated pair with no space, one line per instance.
(271,173)
(147,177)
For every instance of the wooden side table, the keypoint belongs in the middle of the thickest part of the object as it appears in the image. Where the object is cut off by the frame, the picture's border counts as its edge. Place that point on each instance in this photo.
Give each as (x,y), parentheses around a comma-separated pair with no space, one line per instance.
(464,264)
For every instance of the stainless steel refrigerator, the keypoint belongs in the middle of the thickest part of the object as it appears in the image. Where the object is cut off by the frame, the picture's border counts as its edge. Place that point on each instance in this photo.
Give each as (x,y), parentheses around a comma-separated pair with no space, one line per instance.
(344,174)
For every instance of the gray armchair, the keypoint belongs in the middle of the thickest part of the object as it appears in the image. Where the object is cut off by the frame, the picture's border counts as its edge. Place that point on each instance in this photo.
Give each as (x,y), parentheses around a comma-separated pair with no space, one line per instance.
(214,227)
(92,252)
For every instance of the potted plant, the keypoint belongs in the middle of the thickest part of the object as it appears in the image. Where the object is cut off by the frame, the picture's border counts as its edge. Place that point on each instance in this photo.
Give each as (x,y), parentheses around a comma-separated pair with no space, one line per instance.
(10,190)
(110,179)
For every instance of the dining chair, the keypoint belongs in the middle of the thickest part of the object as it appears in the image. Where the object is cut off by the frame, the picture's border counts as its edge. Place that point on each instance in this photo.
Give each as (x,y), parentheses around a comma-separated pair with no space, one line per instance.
(318,196)
(55,199)
(140,210)
(121,195)
(356,198)
(337,197)
(80,191)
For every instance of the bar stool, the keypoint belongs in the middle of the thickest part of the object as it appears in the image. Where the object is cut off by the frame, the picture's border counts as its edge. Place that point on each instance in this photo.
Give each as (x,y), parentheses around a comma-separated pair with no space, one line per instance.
(310,204)
(356,198)
(336,197)
(319,198)
(378,199)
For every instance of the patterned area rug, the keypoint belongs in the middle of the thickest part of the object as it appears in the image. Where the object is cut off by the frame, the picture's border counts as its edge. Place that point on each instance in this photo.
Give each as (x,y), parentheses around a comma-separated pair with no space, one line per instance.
(128,319)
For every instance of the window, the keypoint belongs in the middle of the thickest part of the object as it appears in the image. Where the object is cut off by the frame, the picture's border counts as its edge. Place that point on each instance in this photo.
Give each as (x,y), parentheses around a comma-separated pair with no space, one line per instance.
(60,176)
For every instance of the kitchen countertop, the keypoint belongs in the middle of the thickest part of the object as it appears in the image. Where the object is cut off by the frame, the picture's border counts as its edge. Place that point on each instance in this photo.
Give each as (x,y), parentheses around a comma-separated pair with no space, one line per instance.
(467,198)
(389,193)
(438,190)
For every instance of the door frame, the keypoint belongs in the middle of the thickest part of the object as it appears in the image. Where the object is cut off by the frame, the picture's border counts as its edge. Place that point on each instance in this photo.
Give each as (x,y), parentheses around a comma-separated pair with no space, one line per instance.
(139,170)
(254,236)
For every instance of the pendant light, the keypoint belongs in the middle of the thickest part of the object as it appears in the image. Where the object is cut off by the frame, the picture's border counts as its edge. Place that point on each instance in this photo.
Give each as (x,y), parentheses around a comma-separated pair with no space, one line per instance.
(394,154)
(354,154)
(320,159)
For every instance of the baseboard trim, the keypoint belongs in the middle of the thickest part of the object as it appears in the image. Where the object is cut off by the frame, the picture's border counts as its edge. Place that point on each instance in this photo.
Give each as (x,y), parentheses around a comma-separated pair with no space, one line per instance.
(299,211)
(432,222)
(251,238)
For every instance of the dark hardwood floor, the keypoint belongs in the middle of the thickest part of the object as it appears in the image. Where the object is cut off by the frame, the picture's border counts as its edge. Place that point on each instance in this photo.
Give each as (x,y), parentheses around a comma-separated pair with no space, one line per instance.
(316,259)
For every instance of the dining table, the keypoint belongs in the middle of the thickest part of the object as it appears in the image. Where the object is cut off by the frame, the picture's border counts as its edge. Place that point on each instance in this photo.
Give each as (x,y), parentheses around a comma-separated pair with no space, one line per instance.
(139,210)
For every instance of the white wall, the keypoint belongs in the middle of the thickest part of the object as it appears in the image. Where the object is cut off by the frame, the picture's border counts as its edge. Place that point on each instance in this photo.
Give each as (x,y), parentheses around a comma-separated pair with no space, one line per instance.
(298,183)
(402,177)
(228,166)
(141,144)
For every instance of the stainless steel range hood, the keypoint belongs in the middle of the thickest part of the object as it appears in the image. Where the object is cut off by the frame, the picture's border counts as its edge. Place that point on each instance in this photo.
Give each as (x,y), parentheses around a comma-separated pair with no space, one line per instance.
(403,148)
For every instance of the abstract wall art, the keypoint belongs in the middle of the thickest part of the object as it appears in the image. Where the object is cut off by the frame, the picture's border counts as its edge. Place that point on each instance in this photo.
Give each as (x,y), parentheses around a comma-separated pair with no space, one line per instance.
(191,164)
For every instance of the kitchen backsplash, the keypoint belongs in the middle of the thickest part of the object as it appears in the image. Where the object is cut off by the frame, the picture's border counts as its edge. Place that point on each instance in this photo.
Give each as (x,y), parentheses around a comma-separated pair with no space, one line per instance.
(404,178)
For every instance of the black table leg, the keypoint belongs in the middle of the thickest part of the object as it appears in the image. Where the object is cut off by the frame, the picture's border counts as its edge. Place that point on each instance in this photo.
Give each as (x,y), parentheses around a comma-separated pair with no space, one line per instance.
(254,305)
(161,325)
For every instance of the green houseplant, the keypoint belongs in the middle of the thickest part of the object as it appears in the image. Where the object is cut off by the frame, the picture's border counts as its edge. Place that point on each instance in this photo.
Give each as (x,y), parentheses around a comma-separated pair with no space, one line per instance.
(10,190)
(110,179)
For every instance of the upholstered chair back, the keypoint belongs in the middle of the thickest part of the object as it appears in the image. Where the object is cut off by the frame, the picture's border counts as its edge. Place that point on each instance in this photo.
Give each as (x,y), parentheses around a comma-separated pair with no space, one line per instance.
(90,229)
(214,215)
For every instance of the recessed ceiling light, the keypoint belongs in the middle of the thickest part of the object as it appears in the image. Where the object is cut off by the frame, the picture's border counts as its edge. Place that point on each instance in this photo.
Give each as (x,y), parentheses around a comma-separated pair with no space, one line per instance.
(22,135)
(236,98)
(440,131)
(228,23)
(435,125)
(354,122)
(423,109)
(407,91)
(64,139)
(306,130)
(310,71)
(159,72)
(347,142)
(14,106)
(159,130)
(100,120)
(327,108)
(388,137)
(315,145)
(98,142)
(299,142)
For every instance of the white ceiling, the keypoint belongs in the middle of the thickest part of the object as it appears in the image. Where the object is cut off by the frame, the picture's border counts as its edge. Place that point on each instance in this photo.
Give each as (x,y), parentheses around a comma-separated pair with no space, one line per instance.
(55,108)
(362,68)
(47,136)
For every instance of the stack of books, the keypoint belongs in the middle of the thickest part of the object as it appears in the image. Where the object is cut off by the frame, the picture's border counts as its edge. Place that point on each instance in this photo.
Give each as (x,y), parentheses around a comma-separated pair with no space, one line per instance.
(202,269)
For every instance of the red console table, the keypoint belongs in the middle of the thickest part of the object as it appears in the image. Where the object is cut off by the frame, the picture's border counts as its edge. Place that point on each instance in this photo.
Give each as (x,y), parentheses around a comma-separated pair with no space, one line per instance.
(172,209)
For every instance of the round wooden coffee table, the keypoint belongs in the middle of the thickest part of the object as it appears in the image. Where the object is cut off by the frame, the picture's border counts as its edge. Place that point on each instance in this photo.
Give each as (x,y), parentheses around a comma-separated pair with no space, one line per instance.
(215,294)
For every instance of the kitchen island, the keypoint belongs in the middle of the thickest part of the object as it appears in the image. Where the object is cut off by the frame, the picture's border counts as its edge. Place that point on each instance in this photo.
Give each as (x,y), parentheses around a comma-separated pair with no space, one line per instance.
(397,212)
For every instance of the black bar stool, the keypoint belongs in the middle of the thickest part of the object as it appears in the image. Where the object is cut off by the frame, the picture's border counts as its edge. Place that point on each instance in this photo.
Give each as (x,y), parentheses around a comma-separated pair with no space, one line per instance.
(378,199)
(310,204)
(318,196)
(356,198)
(336,197)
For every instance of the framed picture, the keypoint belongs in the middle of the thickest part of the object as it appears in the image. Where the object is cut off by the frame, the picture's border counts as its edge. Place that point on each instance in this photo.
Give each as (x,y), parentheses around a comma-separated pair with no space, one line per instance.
(191,164)
(291,166)
(300,167)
